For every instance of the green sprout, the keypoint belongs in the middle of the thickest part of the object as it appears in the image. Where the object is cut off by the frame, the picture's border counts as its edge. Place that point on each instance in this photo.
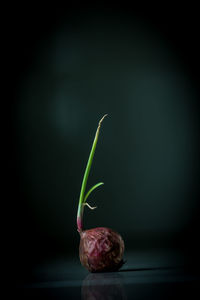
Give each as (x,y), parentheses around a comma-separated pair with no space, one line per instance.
(83,196)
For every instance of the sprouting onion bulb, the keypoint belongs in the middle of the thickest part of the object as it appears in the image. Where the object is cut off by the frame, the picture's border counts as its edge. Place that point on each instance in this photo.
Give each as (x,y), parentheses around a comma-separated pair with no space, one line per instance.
(101,249)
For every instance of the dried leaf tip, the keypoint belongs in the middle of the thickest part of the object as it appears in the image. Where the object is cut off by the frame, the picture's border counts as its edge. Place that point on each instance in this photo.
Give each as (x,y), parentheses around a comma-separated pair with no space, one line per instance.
(101,121)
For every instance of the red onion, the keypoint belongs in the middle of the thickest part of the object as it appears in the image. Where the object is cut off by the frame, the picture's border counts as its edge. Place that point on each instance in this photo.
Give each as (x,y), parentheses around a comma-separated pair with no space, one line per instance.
(101,249)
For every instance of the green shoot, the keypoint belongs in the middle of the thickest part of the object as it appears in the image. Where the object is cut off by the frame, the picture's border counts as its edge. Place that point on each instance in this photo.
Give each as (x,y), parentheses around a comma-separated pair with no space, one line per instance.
(83,197)
(91,190)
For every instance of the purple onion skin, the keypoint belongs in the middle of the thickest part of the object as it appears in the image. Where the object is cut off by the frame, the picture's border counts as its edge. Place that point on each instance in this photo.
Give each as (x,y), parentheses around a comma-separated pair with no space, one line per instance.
(101,250)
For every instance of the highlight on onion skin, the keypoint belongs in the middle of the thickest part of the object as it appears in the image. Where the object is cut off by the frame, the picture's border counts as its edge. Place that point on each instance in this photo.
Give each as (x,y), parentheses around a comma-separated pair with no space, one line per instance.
(101,249)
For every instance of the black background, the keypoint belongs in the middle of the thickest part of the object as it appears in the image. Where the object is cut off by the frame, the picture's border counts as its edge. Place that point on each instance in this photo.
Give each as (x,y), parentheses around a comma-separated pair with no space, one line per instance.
(27,28)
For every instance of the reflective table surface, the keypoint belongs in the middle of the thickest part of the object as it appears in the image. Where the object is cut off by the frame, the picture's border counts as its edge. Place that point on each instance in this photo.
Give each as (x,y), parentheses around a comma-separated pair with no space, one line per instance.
(145,275)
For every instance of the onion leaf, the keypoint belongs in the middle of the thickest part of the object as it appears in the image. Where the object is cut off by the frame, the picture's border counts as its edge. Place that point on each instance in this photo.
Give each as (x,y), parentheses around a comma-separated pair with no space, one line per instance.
(83,197)
(91,190)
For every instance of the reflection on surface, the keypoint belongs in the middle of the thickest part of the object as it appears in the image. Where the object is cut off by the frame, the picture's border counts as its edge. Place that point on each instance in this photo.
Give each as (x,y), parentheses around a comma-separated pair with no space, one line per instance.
(103,286)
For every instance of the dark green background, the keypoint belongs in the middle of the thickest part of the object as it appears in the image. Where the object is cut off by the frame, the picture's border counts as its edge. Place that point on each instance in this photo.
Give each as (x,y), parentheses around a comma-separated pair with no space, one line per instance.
(70,68)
